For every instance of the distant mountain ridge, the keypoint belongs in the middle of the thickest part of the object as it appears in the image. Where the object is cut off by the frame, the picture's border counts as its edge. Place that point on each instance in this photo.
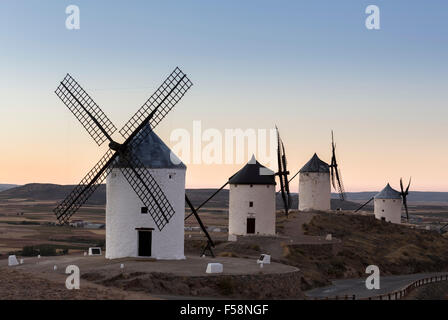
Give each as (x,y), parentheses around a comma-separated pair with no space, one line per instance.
(6,186)
(54,192)
(414,196)
(48,191)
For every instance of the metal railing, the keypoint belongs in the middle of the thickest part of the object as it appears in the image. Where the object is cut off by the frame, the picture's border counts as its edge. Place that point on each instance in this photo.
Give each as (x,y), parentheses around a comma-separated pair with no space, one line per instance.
(394,295)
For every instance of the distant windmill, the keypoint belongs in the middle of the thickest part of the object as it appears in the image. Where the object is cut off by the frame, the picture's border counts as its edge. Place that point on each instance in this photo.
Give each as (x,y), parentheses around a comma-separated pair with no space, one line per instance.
(251,194)
(388,203)
(123,156)
(315,180)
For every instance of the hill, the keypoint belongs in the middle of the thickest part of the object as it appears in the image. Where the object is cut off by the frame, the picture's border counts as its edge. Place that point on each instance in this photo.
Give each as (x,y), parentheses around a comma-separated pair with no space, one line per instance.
(414,196)
(395,249)
(55,192)
(47,191)
(5,186)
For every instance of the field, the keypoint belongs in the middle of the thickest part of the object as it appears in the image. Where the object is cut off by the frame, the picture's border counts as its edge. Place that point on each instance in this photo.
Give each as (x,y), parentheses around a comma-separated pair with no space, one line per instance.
(357,241)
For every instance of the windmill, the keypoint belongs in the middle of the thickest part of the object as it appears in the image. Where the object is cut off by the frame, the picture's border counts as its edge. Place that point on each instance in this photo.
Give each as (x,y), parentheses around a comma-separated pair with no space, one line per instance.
(283,173)
(315,180)
(122,155)
(385,204)
(254,175)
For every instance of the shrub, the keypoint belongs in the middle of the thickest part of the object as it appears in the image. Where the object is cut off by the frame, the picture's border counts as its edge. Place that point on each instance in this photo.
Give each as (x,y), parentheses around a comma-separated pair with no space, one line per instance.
(43,250)
(29,251)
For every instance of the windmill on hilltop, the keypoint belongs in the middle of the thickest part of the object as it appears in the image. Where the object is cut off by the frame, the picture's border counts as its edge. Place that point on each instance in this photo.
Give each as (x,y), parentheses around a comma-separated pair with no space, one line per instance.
(315,180)
(144,179)
(252,196)
(388,203)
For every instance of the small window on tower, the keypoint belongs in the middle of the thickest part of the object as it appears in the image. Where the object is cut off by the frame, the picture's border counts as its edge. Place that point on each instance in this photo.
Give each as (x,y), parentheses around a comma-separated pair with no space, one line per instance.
(144,210)
(251,204)
(251,185)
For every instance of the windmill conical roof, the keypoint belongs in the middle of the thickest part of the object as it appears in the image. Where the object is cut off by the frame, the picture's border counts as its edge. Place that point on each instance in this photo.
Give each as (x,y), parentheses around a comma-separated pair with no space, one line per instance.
(388,193)
(253,173)
(315,165)
(154,153)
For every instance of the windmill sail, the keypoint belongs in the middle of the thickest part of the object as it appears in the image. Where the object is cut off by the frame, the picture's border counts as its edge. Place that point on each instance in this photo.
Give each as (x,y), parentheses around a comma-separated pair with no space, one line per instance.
(335,173)
(404,193)
(85,110)
(159,104)
(82,192)
(283,173)
(136,129)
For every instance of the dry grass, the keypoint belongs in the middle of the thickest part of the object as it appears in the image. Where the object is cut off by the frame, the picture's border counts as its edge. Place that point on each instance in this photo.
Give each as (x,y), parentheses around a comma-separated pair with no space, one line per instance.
(396,249)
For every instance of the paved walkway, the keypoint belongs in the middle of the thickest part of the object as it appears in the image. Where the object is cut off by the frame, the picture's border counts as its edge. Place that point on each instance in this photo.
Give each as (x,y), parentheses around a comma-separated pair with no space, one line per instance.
(357,287)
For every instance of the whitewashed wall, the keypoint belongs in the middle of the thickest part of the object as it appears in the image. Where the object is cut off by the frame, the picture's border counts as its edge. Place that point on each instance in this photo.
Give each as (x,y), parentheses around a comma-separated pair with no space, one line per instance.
(123,215)
(390,209)
(263,210)
(314,191)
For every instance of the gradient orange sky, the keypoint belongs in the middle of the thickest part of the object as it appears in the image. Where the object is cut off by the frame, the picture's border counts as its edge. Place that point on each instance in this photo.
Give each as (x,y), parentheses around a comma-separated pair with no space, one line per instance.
(382,92)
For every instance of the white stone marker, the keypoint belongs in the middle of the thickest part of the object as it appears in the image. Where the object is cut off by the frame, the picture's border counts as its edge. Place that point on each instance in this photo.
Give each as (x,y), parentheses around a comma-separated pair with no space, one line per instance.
(264,258)
(329,237)
(12,261)
(214,268)
(55,267)
(21,261)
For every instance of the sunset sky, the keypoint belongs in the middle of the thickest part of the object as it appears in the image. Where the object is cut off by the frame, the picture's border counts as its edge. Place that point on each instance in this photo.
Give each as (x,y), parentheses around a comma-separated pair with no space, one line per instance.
(306,66)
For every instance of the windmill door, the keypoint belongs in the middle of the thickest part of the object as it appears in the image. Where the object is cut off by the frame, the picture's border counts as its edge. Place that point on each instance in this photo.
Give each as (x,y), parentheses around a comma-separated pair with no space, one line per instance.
(250,225)
(144,243)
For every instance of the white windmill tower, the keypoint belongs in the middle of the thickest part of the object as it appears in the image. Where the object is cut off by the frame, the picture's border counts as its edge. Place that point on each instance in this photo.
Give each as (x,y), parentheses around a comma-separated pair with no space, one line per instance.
(315,180)
(130,231)
(146,190)
(252,200)
(314,185)
(387,203)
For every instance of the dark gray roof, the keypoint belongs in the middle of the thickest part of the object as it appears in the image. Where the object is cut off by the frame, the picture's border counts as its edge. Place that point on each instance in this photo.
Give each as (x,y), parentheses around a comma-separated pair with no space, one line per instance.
(253,173)
(315,165)
(388,193)
(154,153)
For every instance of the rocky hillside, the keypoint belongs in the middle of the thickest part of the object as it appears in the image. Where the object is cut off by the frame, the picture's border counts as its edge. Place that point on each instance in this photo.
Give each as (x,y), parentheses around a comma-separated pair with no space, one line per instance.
(395,249)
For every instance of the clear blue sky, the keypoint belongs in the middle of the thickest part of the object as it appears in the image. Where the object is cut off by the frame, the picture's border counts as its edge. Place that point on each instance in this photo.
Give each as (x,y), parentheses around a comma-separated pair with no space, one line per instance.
(308,66)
